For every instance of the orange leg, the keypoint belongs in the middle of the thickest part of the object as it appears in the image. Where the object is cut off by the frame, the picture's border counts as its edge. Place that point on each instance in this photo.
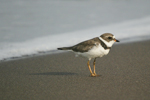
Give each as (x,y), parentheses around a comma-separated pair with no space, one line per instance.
(94,67)
(92,74)
(88,63)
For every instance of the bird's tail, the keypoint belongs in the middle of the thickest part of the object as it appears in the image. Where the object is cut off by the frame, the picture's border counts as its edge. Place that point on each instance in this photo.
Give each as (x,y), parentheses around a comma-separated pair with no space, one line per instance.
(65,48)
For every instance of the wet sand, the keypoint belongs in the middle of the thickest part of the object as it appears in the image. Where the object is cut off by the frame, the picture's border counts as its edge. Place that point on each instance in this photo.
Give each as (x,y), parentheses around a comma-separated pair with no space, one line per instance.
(125,75)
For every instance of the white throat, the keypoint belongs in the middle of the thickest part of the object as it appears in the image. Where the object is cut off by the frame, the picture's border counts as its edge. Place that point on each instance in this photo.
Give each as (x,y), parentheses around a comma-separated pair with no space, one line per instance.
(109,44)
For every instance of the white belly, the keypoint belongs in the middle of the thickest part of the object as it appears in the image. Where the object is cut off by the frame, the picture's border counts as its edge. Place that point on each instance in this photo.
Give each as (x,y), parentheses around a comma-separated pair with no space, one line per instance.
(96,51)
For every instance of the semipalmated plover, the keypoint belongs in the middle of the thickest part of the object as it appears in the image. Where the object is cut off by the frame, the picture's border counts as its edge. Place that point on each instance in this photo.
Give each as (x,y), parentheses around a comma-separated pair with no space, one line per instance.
(93,48)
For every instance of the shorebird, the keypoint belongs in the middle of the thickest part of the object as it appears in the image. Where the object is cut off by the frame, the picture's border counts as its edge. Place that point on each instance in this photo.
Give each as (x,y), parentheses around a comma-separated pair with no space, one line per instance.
(93,48)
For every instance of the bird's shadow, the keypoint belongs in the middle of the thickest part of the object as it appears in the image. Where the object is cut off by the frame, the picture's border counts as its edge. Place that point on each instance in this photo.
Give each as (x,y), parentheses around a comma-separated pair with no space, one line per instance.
(54,73)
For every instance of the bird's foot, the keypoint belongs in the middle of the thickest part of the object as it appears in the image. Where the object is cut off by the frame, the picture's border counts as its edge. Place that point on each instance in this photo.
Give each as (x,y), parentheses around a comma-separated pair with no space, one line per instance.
(94,75)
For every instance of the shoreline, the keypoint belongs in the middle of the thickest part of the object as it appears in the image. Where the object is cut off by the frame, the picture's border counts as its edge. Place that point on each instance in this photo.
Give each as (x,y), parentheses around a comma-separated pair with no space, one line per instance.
(51,52)
(124,75)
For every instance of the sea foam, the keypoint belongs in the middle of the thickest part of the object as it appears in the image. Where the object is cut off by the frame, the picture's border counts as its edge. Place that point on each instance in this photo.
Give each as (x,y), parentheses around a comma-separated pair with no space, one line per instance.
(130,30)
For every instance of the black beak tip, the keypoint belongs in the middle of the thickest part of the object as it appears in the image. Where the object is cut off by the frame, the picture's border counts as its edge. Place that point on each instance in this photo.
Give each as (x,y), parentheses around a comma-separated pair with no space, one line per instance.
(117,41)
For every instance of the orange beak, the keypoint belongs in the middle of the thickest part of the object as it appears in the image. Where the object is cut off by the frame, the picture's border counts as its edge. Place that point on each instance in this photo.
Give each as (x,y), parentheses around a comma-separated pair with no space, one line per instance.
(116,40)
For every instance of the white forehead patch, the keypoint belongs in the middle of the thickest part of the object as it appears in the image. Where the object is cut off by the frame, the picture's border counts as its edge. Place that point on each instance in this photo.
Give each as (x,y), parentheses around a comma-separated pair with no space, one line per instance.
(113,37)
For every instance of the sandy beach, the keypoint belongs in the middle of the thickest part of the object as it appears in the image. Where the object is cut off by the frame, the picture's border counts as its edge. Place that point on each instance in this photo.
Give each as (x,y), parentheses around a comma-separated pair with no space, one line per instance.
(125,75)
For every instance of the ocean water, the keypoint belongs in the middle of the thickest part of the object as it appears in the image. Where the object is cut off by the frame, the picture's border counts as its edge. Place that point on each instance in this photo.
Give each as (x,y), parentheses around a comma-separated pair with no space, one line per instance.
(28,27)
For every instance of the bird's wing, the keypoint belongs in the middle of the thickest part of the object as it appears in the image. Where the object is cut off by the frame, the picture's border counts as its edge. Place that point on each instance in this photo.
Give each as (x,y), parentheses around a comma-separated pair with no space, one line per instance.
(85,45)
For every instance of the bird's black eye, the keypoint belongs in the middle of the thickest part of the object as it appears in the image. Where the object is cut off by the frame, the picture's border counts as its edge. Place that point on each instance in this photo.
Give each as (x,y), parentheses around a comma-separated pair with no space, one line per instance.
(109,37)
